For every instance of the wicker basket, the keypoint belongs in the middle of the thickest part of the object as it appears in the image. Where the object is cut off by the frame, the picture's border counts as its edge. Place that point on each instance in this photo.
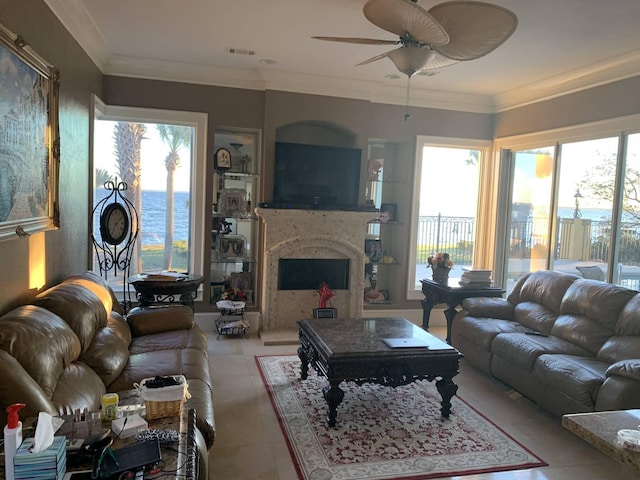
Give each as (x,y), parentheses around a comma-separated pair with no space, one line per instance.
(166,401)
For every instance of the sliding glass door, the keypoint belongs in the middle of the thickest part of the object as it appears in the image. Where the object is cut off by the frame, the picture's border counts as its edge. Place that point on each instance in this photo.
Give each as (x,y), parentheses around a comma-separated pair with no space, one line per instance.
(575,208)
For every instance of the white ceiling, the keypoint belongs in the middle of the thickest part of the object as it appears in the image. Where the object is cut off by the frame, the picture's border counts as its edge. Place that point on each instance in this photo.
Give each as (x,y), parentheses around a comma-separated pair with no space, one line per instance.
(558,47)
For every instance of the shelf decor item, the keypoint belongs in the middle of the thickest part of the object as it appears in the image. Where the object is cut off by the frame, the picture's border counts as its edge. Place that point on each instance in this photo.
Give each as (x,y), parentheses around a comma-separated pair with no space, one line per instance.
(387,213)
(233,201)
(222,159)
(231,246)
(441,265)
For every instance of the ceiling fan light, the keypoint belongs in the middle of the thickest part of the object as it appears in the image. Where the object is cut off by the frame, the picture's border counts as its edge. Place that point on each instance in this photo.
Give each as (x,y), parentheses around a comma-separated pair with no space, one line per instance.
(410,60)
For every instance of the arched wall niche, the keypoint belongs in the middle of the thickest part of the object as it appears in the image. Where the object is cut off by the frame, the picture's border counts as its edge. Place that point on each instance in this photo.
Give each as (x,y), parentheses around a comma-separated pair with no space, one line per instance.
(317,133)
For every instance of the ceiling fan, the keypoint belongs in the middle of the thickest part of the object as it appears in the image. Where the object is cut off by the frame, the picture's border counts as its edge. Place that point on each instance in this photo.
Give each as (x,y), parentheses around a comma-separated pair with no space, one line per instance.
(444,35)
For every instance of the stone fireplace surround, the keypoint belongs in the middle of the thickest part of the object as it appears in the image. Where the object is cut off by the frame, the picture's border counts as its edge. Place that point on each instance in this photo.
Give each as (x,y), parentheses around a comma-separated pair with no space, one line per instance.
(291,233)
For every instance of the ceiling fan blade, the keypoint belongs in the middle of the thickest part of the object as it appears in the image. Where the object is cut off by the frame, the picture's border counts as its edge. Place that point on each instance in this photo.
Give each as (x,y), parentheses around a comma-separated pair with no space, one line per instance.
(475,28)
(363,41)
(404,16)
(437,60)
(374,59)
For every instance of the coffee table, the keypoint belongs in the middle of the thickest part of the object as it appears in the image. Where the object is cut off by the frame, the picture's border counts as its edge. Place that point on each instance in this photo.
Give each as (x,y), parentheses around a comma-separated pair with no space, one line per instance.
(352,349)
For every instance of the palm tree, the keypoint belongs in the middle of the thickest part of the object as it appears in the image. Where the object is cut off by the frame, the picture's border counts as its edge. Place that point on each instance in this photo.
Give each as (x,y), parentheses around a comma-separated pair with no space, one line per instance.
(175,137)
(128,138)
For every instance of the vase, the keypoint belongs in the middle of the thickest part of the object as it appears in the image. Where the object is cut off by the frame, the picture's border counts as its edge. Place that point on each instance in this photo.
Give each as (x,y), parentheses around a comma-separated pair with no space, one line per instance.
(441,274)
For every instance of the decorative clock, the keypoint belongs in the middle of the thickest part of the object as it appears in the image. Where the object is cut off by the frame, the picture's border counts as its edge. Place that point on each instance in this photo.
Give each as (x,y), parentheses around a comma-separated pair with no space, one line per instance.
(114,224)
(117,221)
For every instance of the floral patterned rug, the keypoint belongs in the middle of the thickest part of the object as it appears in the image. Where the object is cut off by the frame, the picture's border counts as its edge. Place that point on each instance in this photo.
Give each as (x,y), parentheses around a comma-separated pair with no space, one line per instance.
(384,432)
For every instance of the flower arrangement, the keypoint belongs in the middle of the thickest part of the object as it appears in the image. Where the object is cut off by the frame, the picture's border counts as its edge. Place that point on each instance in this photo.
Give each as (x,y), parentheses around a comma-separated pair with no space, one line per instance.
(233,294)
(440,260)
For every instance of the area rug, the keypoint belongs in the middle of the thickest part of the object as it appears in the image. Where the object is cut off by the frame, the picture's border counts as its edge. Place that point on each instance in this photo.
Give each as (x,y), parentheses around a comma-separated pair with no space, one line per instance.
(384,432)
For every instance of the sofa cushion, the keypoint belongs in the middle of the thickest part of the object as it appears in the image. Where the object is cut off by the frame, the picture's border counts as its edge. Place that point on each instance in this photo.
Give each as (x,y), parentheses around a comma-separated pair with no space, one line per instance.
(534,316)
(482,331)
(589,312)
(578,377)
(173,340)
(41,342)
(17,386)
(189,362)
(83,311)
(628,322)
(120,327)
(523,350)
(545,287)
(107,355)
(148,320)
(116,306)
(488,307)
(78,387)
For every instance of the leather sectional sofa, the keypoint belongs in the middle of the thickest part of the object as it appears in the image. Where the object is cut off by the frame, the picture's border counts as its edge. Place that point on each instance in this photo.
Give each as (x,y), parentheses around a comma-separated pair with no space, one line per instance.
(568,343)
(72,344)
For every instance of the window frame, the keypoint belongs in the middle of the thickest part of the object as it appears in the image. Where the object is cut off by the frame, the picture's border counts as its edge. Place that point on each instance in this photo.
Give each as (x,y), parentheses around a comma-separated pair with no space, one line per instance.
(196,120)
(486,203)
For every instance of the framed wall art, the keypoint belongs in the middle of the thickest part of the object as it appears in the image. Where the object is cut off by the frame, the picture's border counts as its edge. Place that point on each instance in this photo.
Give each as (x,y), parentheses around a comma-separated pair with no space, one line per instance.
(30,144)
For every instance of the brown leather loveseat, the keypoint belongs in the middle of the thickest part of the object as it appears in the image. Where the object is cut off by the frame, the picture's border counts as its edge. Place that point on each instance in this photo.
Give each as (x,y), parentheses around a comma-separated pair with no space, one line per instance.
(568,343)
(72,344)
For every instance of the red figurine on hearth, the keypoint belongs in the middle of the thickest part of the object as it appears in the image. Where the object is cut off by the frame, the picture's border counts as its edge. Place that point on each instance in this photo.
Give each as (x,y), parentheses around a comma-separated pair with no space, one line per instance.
(325,294)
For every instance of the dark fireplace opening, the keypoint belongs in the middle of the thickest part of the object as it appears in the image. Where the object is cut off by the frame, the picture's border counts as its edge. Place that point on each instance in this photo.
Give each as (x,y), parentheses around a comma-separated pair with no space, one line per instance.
(308,274)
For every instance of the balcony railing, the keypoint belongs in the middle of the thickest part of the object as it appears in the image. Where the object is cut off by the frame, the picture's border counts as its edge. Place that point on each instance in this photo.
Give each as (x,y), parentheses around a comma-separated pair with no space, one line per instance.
(455,235)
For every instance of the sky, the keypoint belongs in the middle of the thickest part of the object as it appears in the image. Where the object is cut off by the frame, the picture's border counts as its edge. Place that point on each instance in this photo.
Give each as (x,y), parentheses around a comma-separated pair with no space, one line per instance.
(153,152)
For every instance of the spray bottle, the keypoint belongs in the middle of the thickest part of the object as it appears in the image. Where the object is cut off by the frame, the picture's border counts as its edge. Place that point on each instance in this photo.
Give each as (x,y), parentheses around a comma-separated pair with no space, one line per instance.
(12,438)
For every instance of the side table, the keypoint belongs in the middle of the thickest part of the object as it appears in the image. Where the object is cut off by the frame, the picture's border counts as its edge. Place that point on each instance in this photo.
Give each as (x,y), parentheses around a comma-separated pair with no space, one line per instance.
(600,429)
(159,289)
(452,294)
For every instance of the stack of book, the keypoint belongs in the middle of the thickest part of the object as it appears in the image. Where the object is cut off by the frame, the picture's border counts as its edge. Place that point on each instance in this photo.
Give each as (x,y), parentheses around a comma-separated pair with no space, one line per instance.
(475,278)
(50,464)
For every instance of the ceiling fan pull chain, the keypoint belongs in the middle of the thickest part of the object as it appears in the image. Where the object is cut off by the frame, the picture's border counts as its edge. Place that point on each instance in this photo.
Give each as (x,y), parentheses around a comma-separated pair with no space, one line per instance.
(406,115)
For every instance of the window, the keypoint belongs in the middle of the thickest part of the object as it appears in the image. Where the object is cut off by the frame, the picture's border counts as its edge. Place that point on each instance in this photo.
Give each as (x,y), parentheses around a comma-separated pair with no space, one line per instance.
(574,206)
(161,157)
(446,199)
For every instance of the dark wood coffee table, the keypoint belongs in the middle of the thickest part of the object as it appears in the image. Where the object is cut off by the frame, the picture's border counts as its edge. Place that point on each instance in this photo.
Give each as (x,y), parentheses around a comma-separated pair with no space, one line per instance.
(350,349)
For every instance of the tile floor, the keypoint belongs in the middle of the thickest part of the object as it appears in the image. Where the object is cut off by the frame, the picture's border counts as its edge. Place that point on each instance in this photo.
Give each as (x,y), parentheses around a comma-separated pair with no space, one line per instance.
(250,446)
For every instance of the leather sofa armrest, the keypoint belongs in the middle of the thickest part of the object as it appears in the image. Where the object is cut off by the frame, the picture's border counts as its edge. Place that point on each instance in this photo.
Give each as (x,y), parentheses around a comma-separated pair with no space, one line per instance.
(149,320)
(626,368)
(485,307)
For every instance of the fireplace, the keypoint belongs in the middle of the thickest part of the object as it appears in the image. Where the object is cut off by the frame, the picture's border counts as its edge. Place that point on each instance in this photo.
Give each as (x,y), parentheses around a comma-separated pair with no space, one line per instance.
(310,235)
(310,273)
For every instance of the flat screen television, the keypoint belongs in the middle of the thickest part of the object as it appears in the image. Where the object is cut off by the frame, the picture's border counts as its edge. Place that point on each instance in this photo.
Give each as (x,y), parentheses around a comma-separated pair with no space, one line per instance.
(316,176)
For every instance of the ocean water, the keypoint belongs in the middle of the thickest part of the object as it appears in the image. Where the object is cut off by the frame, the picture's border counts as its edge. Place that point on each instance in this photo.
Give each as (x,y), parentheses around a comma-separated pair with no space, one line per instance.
(153,216)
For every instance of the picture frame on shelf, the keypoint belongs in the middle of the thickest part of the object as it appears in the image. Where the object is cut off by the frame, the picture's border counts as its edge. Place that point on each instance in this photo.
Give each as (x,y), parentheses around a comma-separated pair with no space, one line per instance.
(231,246)
(216,290)
(233,201)
(241,281)
(222,159)
(373,250)
(388,213)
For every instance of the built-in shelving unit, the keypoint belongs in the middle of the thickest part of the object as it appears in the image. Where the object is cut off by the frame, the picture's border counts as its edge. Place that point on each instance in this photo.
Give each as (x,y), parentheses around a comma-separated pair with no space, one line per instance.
(234,225)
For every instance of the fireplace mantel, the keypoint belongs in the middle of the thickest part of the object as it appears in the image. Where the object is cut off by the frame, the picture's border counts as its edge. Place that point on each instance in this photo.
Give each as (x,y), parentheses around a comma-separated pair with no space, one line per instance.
(290,233)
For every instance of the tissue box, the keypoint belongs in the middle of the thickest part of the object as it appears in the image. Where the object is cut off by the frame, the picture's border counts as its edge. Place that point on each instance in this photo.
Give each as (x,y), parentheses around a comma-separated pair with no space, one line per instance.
(50,464)
(134,424)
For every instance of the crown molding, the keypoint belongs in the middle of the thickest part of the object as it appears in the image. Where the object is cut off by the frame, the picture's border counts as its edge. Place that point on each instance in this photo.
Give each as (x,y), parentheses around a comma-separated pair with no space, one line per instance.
(79,23)
(615,69)
(75,18)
